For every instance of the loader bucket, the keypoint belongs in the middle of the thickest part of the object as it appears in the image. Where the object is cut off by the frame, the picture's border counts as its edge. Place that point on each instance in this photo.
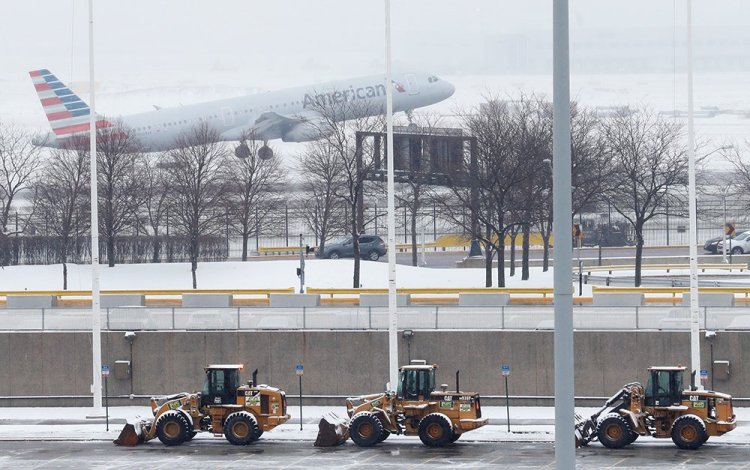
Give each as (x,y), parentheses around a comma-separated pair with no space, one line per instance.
(585,430)
(131,435)
(332,431)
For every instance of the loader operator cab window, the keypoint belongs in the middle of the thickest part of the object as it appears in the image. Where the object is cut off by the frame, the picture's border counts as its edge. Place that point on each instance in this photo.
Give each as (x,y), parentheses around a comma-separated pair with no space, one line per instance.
(414,383)
(220,387)
(664,388)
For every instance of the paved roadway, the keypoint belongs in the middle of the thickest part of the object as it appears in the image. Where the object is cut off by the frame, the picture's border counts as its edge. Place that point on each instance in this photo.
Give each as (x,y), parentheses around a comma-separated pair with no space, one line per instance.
(447,259)
(209,454)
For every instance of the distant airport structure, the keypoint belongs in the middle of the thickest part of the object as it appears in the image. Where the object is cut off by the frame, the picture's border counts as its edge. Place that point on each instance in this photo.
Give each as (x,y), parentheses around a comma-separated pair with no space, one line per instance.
(292,115)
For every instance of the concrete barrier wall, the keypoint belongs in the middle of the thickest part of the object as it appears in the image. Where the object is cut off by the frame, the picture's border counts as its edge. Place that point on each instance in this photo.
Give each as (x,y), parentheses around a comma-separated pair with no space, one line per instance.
(352,362)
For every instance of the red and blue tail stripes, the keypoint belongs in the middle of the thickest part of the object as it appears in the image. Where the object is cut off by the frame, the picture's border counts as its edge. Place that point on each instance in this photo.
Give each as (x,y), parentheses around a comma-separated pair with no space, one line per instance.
(67,113)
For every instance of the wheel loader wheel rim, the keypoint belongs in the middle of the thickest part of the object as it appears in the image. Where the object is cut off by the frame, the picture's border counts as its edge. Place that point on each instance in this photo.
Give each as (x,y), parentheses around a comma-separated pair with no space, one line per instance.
(688,433)
(366,430)
(614,431)
(172,429)
(435,431)
(240,429)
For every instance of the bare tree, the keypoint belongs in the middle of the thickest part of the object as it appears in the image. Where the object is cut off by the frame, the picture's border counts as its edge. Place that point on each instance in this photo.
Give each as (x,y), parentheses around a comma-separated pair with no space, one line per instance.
(155,191)
(19,162)
(62,195)
(320,173)
(121,183)
(337,123)
(491,180)
(650,166)
(197,186)
(254,193)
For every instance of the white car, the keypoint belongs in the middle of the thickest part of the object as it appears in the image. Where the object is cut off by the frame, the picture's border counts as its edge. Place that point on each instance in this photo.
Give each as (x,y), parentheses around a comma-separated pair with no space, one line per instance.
(737,246)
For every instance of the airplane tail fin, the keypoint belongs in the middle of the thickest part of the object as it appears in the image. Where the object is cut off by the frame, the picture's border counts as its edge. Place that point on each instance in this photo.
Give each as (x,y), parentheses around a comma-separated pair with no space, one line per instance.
(66,112)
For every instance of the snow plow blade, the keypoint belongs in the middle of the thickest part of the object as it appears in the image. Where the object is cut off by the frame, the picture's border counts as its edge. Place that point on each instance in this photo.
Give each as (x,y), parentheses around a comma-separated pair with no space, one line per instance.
(131,435)
(585,430)
(332,431)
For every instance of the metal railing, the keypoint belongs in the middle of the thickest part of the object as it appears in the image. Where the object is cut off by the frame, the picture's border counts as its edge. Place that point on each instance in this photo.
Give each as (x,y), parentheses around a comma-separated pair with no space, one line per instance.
(512,317)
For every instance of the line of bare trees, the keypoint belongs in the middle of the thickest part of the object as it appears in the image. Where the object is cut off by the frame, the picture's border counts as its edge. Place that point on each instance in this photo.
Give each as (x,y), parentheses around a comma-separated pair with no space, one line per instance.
(199,185)
(633,161)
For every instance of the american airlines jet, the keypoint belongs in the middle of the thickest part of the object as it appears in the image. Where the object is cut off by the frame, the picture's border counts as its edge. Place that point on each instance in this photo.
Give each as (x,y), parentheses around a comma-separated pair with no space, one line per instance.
(292,115)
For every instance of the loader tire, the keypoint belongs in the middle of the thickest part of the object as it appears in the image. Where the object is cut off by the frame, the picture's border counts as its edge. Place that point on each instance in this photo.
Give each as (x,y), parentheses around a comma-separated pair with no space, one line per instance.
(435,430)
(689,432)
(240,428)
(365,429)
(614,431)
(172,428)
(455,436)
(259,433)
(190,436)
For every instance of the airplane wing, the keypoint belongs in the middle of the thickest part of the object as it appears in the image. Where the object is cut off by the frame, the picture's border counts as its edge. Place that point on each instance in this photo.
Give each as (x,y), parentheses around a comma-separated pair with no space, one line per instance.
(269,125)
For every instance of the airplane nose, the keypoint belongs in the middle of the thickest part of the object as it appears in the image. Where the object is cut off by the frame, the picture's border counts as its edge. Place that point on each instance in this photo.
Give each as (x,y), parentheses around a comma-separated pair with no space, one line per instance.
(449,89)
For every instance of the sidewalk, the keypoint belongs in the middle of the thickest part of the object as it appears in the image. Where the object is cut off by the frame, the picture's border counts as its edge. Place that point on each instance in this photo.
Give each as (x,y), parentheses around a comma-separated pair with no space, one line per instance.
(535,424)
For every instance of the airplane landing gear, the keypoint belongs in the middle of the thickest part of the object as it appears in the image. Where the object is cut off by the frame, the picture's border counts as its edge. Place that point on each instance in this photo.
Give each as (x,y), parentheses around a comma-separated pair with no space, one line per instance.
(412,126)
(242,151)
(265,152)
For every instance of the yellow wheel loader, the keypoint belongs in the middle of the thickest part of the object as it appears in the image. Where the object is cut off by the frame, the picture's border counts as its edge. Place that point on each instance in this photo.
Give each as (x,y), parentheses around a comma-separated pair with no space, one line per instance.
(661,409)
(224,407)
(437,417)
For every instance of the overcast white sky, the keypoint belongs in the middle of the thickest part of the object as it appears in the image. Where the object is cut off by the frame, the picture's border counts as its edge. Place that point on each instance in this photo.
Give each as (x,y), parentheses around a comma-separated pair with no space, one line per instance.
(170,52)
(317,37)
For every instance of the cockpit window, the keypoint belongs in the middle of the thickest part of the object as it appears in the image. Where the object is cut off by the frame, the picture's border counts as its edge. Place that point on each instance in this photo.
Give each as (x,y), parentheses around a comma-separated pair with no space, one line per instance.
(432,79)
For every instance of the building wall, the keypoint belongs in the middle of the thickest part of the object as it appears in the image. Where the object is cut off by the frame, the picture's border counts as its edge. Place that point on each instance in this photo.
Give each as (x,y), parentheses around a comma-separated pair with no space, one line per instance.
(349,362)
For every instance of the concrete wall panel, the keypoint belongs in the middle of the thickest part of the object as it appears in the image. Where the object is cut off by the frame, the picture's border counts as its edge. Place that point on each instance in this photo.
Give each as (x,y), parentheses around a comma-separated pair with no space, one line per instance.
(356,362)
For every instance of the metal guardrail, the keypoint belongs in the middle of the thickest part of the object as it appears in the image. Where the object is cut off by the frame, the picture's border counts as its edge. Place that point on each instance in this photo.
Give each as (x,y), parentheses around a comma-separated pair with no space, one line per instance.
(663,267)
(745,291)
(152,292)
(542,291)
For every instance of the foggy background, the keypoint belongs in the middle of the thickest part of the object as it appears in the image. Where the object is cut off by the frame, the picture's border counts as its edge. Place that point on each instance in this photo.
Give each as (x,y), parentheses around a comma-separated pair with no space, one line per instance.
(170,52)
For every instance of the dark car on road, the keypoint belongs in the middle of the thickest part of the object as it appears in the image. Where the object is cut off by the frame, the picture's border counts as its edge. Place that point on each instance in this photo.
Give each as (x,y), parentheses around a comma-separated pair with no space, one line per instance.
(371,247)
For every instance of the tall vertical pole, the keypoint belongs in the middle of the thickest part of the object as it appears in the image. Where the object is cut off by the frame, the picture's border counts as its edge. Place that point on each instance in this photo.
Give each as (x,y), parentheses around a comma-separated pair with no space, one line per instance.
(392,313)
(695,345)
(562,206)
(724,231)
(96,322)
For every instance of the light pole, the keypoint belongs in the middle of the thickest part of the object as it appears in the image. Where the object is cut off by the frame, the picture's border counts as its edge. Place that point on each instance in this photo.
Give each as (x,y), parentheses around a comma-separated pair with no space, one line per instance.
(392,313)
(96,322)
(565,458)
(130,338)
(695,351)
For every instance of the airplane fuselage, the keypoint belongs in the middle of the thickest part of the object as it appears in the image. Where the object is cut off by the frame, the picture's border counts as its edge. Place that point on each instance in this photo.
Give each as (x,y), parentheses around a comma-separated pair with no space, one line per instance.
(286,114)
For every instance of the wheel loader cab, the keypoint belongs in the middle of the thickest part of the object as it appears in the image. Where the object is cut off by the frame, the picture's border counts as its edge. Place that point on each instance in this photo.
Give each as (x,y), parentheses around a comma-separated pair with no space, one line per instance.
(416,382)
(664,387)
(220,385)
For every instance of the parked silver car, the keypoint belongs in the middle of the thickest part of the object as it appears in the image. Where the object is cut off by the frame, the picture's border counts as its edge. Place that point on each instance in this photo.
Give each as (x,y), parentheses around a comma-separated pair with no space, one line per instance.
(737,246)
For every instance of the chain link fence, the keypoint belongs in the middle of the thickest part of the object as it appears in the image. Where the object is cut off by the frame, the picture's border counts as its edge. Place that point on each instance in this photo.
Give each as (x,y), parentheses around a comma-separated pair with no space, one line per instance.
(601,224)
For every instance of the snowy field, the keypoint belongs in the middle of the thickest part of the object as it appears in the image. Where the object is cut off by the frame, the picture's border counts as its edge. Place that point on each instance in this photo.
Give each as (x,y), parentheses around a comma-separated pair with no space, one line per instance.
(282,274)
(252,275)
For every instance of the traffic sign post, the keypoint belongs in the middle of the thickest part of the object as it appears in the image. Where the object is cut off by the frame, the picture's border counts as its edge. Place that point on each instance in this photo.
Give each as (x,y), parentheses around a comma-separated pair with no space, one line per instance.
(505,369)
(300,370)
(704,375)
(105,375)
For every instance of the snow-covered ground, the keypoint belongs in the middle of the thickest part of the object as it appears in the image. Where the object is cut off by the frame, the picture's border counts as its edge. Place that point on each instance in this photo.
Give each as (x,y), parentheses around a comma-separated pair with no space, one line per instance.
(526,424)
(281,274)
(251,275)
